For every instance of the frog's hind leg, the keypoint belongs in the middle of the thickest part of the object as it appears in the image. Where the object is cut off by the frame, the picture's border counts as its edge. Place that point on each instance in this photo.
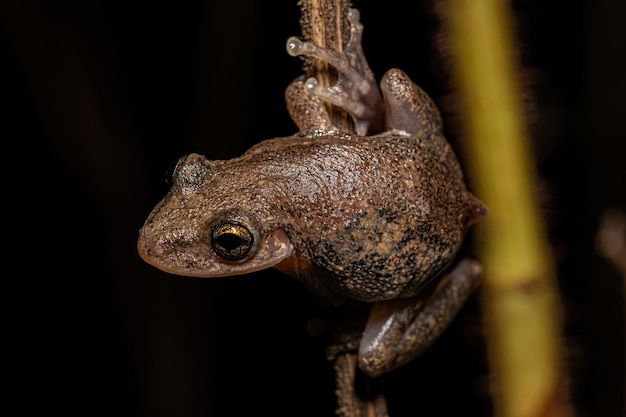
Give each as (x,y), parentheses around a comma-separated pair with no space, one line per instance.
(399,330)
(407,106)
(356,90)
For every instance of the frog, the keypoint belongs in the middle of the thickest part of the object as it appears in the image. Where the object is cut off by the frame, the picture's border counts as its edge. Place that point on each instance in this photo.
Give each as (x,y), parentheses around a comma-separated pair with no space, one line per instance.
(375,214)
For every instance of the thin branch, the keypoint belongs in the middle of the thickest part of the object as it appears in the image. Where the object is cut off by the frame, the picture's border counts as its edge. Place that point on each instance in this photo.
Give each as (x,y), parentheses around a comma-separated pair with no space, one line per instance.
(325,23)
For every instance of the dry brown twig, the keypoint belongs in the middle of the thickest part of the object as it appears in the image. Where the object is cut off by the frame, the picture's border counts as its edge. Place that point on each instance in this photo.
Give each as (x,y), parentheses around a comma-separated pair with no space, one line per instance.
(325,23)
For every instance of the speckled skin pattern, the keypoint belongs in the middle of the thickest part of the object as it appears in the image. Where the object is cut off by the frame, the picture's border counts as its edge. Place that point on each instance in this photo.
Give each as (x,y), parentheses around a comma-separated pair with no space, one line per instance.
(372,214)
(376,217)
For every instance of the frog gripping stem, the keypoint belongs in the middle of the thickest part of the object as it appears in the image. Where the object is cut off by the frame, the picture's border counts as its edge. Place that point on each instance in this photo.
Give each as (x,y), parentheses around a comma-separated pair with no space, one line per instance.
(355,90)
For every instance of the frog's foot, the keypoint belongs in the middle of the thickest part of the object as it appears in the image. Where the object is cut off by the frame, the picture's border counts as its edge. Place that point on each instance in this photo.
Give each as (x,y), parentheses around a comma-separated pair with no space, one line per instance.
(356,90)
(398,331)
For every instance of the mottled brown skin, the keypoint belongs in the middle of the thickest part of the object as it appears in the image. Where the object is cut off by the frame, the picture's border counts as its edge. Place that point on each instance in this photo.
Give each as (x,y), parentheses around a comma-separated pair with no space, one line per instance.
(371,217)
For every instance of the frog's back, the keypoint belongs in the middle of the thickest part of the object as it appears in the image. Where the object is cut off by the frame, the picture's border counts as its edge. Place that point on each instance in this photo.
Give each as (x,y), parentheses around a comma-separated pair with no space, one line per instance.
(376,215)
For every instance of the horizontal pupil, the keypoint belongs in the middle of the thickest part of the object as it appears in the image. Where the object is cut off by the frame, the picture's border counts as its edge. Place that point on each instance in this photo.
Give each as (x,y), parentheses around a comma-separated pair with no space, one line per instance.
(230,241)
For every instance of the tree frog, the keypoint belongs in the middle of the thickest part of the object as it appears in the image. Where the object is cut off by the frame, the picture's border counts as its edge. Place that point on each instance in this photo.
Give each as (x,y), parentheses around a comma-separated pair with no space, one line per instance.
(375,215)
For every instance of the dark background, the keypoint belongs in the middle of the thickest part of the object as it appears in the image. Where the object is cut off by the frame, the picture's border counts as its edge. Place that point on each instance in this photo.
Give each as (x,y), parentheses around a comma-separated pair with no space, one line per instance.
(100,96)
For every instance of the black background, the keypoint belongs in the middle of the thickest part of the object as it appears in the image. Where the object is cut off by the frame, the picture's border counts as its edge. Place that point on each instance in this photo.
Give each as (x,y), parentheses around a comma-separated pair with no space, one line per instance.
(100,96)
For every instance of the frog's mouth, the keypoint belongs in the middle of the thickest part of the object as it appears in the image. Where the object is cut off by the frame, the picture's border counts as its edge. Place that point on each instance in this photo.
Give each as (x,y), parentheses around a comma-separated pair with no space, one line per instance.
(196,258)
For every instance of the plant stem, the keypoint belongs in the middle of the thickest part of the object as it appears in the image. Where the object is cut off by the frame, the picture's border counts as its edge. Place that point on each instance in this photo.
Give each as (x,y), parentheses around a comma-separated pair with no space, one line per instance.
(521,305)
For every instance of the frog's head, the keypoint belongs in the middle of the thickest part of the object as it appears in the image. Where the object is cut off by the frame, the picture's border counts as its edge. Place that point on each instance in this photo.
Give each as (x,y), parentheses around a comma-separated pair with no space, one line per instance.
(201,229)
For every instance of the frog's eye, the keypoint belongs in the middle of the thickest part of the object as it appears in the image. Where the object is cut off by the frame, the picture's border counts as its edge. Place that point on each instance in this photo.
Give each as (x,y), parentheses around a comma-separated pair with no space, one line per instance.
(172,170)
(233,236)
(232,241)
(189,172)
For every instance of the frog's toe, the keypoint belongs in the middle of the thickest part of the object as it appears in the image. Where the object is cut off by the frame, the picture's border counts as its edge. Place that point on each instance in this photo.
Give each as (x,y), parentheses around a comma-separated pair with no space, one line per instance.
(297,47)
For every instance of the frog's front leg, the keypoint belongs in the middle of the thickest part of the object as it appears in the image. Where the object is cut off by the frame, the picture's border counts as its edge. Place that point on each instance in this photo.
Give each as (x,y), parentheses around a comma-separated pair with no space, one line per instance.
(307,112)
(408,107)
(399,330)
(356,90)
